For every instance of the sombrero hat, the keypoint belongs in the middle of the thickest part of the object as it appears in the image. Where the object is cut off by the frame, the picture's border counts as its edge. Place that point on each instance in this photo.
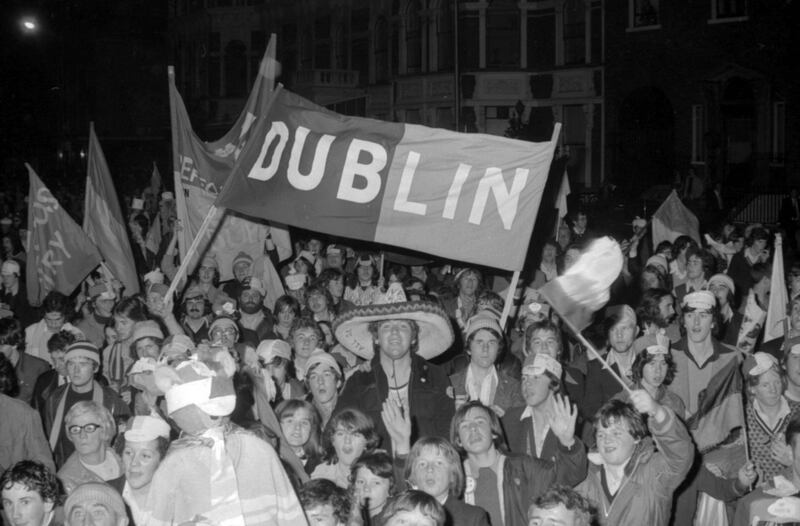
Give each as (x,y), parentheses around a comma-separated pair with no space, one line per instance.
(435,332)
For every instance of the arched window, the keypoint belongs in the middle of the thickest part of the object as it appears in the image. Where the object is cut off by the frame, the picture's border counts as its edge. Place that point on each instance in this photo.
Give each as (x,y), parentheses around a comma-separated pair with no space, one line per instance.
(235,69)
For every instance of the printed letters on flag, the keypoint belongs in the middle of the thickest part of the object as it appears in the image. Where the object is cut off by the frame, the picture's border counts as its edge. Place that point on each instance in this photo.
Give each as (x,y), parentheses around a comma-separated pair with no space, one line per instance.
(103,221)
(201,169)
(60,255)
(470,197)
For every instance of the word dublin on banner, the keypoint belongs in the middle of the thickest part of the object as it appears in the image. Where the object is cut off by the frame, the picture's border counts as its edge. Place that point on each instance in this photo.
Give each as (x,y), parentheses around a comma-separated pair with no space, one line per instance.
(470,197)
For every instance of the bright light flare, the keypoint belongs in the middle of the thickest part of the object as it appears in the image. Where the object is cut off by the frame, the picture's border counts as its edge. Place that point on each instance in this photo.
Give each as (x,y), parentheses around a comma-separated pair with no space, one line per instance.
(29,25)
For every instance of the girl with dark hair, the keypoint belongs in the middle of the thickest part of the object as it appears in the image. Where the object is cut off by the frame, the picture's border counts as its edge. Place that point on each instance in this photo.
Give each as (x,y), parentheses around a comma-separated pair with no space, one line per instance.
(348,435)
(301,427)
(287,308)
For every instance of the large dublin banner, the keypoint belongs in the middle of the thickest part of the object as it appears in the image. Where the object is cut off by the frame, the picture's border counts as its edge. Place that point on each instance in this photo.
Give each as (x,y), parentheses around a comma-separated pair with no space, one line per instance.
(469,197)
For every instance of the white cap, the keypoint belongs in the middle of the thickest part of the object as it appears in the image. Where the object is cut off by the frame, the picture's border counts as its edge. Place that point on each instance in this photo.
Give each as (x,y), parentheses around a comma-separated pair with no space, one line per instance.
(144,428)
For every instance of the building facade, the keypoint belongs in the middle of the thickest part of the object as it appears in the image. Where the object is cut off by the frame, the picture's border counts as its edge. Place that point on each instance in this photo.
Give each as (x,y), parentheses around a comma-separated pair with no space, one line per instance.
(530,62)
(642,87)
(703,85)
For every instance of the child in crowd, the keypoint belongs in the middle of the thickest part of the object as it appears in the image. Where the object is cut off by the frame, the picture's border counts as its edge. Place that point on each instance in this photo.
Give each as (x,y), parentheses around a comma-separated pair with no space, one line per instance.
(372,479)
(348,435)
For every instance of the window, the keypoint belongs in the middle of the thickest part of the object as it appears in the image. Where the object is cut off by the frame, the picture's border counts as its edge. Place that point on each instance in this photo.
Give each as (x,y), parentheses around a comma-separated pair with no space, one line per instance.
(541,39)
(322,43)
(728,10)
(778,133)
(444,37)
(574,32)
(698,133)
(468,50)
(502,36)
(643,14)
(414,39)
(382,37)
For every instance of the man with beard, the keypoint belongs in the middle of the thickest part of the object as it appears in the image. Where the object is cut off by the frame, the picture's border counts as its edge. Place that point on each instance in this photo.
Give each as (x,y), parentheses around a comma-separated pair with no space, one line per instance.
(656,311)
(601,386)
(195,322)
(256,320)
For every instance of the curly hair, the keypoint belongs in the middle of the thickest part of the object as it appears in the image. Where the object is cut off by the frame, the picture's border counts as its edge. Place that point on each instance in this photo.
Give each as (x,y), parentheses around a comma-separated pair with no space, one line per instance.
(582,508)
(321,492)
(643,358)
(649,310)
(411,500)
(11,333)
(36,477)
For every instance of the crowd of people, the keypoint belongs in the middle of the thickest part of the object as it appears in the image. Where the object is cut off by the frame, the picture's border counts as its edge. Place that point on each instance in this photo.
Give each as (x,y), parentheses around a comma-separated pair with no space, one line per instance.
(378,393)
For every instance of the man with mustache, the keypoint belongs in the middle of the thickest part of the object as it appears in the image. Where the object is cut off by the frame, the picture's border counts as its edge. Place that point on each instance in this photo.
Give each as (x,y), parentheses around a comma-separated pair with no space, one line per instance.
(195,322)
(256,320)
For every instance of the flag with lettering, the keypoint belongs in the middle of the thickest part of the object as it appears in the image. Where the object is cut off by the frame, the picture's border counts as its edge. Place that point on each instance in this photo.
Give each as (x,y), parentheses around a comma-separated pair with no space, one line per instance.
(103,221)
(201,169)
(470,197)
(60,254)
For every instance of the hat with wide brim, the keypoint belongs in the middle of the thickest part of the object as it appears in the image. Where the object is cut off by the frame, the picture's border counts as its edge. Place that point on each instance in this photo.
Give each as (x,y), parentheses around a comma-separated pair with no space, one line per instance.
(435,331)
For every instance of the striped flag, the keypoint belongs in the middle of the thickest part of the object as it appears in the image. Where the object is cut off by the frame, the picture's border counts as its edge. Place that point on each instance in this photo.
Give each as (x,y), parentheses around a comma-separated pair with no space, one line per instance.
(778,298)
(720,408)
(60,254)
(201,170)
(584,288)
(102,218)
(673,219)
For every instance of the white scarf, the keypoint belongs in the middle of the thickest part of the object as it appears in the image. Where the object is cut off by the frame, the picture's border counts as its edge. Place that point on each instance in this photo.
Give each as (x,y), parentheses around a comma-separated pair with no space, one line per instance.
(488,386)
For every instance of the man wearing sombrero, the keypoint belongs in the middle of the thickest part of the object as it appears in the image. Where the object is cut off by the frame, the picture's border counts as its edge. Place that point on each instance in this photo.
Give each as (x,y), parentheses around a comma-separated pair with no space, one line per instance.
(406,334)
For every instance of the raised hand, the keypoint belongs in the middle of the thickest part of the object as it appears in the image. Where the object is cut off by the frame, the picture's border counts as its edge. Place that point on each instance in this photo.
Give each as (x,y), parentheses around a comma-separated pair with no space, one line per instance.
(644,403)
(562,420)
(398,424)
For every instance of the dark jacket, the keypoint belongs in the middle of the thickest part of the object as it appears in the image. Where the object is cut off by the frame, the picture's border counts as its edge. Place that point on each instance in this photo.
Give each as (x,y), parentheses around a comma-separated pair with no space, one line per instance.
(430,399)
(64,447)
(29,369)
(460,513)
(526,478)
(600,388)
(520,439)
(508,393)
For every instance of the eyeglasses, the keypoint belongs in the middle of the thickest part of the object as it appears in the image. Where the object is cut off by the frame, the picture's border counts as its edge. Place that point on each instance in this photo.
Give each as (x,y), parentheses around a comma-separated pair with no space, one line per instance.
(89,428)
(230,331)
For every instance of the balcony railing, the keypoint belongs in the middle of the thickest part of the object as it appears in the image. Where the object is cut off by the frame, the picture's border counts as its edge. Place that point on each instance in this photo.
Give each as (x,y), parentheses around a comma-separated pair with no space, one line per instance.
(326,78)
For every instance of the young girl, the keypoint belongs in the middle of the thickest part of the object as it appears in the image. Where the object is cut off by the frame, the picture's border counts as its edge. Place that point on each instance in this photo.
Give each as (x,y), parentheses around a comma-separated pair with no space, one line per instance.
(372,479)
(300,424)
(347,435)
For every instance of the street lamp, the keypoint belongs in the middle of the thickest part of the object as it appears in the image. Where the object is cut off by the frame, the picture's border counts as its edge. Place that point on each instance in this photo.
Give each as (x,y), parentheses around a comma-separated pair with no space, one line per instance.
(29,24)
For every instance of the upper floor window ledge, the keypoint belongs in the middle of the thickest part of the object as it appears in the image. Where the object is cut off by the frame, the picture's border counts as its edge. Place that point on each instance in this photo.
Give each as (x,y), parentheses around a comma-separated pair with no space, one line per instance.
(730,19)
(637,29)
